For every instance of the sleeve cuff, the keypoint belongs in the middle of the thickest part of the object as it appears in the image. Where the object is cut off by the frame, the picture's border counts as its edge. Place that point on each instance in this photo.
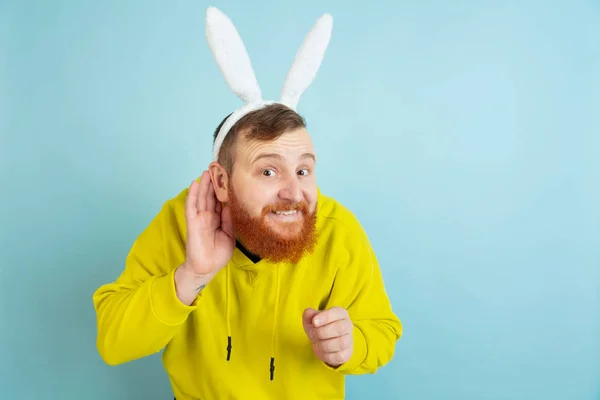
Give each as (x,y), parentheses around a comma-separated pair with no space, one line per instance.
(358,355)
(166,306)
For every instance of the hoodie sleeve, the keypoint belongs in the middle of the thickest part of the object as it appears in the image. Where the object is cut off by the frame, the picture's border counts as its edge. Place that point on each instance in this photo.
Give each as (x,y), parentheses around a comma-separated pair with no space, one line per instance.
(139,313)
(359,288)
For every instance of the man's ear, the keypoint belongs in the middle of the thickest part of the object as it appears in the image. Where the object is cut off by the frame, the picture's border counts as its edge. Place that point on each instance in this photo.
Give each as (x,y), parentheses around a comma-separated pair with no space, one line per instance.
(220,181)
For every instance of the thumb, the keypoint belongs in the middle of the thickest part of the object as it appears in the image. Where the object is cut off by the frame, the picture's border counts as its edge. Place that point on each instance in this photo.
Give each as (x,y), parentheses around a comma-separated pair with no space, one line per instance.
(307,318)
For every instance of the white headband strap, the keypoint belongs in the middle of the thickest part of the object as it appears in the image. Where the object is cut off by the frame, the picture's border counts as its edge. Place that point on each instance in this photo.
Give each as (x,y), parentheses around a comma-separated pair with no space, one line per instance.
(232,119)
(234,63)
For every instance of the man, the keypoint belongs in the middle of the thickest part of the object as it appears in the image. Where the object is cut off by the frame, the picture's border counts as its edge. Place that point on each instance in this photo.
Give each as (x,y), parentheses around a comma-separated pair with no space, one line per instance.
(252,268)
(255,284)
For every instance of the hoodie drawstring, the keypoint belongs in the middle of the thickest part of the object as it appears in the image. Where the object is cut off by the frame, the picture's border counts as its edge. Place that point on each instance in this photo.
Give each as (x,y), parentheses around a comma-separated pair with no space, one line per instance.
(274,330)
(228,314)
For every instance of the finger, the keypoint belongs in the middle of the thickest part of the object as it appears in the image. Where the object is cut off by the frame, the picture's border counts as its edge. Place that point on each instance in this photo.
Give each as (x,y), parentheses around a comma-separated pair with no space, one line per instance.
(211,199)
(337,358)
(191,200)
(204,185)
(218,207)
(226,221)
(336,344)
(330,315)
(307,317)
(333,330)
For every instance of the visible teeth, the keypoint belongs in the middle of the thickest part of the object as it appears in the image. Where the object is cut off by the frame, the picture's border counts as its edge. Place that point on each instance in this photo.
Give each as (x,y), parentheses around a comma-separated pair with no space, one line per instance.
(286,212)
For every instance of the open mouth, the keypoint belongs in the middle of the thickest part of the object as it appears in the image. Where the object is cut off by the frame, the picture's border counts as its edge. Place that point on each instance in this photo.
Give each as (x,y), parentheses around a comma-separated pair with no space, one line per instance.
(290,212)
(287,216)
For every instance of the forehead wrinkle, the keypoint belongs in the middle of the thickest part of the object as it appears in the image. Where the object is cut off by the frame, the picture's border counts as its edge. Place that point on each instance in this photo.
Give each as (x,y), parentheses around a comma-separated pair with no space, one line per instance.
(252,150)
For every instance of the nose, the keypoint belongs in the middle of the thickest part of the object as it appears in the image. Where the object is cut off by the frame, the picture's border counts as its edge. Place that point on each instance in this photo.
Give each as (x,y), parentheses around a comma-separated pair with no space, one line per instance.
(290,189)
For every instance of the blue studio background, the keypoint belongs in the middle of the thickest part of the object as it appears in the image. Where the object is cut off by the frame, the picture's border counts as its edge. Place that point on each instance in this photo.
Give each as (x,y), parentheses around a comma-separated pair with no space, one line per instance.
(465,135)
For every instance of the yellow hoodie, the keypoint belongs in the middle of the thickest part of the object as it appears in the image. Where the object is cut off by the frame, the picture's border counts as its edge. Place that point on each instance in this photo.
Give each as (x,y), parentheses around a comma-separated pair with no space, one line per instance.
(242,337)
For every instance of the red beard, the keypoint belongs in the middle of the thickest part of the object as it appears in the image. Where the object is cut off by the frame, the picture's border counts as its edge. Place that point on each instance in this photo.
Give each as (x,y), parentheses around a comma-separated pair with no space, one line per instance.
(258,238)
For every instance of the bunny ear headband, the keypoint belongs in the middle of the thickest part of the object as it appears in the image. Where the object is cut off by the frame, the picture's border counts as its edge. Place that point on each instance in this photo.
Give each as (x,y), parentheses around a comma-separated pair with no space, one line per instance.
(234,63)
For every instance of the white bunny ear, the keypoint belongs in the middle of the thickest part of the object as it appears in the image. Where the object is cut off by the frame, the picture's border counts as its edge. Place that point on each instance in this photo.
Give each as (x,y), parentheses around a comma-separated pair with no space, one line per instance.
(307,62)
(231,55)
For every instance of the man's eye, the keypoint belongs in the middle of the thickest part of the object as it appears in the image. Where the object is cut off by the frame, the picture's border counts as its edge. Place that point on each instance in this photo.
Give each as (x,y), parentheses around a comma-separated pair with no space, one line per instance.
(268,172)
(303,172)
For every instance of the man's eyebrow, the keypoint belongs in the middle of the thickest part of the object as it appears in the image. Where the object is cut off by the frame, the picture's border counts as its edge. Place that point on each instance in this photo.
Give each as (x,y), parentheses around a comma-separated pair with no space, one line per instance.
(266,155)
(278,156)
(309,155)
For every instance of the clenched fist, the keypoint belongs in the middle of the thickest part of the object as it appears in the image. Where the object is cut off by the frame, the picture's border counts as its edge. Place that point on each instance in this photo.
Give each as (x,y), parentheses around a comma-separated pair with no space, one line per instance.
(330,332)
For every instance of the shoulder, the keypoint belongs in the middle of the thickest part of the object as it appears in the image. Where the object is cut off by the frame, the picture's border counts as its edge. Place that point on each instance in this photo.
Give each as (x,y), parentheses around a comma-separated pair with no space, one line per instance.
(176,204)
(339,228)
(171,216)
(336,215)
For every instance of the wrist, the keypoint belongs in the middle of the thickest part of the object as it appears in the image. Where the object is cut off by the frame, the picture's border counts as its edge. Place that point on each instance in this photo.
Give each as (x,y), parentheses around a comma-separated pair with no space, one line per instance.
(193,277)
(188,284)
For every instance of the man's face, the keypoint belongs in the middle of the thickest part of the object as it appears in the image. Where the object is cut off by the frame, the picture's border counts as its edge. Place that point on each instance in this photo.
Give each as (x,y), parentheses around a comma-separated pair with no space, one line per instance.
(273,195)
